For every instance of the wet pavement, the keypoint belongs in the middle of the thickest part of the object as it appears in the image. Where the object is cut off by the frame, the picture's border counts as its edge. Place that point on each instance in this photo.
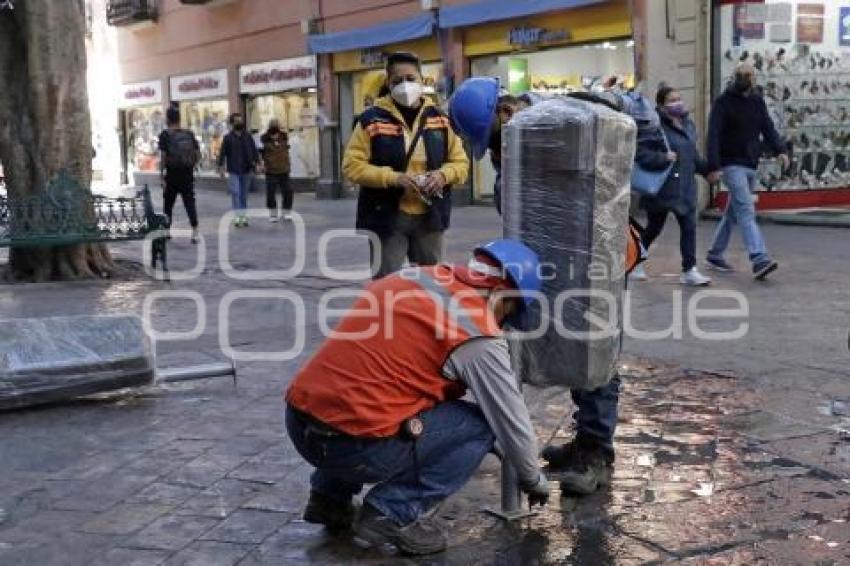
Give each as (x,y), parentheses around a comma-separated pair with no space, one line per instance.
(727,452)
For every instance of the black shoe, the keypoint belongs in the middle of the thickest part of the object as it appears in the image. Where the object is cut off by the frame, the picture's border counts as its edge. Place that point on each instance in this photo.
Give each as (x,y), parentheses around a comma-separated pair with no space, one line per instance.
(764,268)
(581,466)
(323,510)
(422,536)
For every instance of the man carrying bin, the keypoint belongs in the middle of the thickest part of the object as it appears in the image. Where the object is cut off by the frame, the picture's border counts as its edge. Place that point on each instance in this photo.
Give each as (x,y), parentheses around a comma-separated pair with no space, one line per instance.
(585,464)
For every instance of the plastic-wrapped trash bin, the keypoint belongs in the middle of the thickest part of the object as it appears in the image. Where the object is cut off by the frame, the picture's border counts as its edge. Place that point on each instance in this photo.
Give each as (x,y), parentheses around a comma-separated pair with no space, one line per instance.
(566,169)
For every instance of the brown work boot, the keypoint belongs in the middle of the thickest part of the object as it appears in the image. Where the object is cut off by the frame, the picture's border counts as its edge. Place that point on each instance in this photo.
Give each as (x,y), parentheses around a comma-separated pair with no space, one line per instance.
(422,536)
(581,466)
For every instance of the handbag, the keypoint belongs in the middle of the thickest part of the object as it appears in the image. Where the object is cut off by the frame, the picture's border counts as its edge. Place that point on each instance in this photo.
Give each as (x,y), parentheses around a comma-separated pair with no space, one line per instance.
(647,182)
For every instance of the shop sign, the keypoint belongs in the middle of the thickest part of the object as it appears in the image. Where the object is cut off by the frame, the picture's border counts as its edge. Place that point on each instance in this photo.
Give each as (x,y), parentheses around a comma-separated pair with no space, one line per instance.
(209,84)
(140,94)
(372,57)
(277,76)
(523,36)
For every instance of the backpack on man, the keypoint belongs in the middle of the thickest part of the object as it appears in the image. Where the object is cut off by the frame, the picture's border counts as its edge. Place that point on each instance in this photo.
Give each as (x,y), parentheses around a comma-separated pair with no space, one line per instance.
(181,150)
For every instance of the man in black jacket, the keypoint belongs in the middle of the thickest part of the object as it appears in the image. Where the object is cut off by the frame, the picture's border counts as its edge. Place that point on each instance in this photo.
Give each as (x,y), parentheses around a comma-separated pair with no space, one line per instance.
(739,119)
(240,153)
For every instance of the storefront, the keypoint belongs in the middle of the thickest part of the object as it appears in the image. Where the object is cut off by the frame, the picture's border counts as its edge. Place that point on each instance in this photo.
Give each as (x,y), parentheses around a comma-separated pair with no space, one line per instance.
(285,90)
(801,52)
(142,118)
(555,53)
(361,76)
(204,109)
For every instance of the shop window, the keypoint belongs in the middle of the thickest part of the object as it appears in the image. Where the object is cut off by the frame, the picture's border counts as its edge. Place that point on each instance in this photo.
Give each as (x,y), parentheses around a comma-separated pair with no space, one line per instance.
(142,126)
(207,119)
(803,71)
(297,112)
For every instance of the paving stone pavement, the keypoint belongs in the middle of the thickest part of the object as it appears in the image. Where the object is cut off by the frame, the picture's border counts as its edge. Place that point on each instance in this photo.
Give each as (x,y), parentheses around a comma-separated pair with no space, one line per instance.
(727,452)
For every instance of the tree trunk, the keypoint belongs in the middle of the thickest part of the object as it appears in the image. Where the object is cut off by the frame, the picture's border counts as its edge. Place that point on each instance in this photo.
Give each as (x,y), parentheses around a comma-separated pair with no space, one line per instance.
(44,122)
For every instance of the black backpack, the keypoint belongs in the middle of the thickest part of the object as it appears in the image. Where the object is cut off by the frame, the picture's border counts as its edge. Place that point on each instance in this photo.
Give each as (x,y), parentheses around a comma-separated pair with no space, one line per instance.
(181,150)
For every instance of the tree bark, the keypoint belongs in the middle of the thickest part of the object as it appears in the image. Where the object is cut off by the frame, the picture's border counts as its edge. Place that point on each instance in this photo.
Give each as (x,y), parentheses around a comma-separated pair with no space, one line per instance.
(45,125)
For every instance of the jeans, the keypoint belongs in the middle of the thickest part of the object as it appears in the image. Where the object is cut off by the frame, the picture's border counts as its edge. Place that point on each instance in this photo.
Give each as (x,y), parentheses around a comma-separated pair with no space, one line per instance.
(410,477)
(740,209)
(239,185)
(411,239)
(278,183)
(687,225)
(596,418)
(180,182)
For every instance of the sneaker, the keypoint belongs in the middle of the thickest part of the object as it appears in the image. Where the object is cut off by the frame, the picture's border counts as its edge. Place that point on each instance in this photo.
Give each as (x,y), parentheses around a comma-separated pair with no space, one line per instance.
(764,268)
(639,274)
(244,221)
(581,467)
(288,216)
(694,278)
(719,264)
(323,510)
(273,218)
(236,222)
(422,536)
(195,236)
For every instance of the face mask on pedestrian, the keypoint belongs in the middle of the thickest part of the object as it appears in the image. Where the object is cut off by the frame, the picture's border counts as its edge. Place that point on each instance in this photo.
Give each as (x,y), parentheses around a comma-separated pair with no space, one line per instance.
(407,93)
(742,84)
(676,109)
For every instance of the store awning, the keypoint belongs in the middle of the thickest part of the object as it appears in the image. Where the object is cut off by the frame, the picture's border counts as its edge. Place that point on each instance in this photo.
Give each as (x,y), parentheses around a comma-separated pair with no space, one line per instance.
(382,34)
(495,10)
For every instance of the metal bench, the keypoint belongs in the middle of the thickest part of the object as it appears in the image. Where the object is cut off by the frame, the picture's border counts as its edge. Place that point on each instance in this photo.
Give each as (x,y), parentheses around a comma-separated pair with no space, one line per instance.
(65,214)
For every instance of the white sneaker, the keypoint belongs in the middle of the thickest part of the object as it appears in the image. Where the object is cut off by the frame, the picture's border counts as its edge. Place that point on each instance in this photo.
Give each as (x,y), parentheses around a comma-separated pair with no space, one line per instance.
(694,278)
(639,274)
(288,216)
(273,218)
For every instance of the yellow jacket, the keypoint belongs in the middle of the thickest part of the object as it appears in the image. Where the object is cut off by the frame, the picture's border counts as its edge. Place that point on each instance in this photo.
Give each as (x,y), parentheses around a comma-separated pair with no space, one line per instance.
(358,154)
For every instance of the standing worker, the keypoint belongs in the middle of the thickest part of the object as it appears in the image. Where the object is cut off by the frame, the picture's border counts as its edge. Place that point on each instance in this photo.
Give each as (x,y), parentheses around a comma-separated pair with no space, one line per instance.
(586,463)
(405,157)
(239,152)
(738,120)
(180,155)
(379,403)
(275,144)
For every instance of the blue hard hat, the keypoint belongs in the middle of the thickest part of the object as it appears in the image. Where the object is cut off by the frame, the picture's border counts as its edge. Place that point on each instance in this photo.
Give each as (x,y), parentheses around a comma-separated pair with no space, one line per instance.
(471,110)
(519,263)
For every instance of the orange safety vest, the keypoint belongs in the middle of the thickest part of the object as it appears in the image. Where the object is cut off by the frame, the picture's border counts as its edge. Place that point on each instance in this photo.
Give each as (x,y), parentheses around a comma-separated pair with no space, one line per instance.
(384,361)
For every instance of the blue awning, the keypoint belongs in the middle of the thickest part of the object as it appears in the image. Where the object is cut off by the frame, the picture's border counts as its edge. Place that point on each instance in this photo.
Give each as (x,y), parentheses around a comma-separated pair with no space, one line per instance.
(495,10)
(381,34)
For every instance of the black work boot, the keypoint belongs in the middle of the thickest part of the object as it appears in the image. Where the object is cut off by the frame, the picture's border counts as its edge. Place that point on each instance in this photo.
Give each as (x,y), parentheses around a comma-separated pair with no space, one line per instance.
(422,536)
(324,510)
(581,466)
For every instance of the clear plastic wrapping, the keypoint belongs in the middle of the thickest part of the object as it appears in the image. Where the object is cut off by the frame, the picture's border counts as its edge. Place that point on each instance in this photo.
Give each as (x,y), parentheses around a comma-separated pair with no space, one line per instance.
(566,170)
(44,360)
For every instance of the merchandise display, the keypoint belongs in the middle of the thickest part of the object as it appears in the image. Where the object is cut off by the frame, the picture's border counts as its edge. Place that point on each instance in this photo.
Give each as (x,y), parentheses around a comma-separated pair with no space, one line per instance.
(567,168)
(142,127)
(207,119)
(803,72)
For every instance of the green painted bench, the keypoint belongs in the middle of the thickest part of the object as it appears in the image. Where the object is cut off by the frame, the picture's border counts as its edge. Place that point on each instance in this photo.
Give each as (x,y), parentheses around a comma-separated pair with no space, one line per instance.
(65,214)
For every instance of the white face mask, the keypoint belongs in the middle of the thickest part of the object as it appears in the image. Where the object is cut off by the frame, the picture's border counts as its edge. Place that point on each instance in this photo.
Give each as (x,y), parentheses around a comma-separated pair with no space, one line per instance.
(407,93)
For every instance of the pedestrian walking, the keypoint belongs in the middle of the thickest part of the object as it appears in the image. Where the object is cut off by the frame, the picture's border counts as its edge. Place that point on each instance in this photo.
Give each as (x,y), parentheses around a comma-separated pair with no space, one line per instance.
(275,152)
(738,121)
(180,154)
(380,402)
(239,154)
(674,141)
(405,156)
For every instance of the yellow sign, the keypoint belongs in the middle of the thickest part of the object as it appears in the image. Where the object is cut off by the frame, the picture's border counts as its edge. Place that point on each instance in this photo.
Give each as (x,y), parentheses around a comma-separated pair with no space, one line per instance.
(426,48)
(580,25)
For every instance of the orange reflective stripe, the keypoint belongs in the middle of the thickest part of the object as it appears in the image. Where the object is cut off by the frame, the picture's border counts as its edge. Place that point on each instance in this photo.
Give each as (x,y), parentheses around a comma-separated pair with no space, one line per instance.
(437,122)
(383,129)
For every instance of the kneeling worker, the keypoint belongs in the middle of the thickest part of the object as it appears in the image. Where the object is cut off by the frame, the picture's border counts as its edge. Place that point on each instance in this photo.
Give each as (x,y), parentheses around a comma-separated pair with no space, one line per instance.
(379,403)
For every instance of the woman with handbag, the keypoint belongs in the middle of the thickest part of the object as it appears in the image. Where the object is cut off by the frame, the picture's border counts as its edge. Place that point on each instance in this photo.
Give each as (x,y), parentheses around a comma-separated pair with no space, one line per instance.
(672,148)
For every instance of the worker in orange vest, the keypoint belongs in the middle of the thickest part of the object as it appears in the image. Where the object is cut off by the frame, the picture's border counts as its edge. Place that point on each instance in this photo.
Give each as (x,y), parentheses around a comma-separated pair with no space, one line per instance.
(379,403)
